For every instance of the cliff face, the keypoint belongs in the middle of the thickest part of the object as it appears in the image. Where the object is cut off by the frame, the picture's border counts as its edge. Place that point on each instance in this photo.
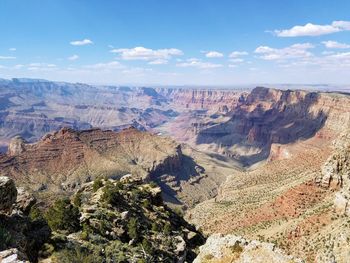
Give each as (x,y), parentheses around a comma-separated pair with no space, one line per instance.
(336,174)
(269,116)
(200,99)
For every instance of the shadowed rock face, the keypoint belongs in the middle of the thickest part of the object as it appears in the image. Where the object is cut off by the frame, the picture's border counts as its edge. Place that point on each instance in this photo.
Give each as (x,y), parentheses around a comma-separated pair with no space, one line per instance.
(8,193)
(265,117)
(20,236)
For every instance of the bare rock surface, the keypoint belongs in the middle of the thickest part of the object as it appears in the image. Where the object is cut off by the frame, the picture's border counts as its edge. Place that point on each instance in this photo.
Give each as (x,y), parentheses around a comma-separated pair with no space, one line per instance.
(25,200)
(234,249)
(12,255)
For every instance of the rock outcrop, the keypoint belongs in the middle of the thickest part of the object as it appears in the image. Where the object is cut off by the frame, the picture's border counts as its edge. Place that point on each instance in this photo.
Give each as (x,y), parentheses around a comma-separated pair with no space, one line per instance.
(21,236)
(8,194)
(336,173)
(124,221)
(13,255)
(219,248)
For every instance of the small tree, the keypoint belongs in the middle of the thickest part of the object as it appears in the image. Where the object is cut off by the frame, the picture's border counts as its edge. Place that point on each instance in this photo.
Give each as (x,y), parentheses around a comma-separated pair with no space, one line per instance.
(111,194)
(97,184)
(133,231)
(167,228)
(63,216)
(77,199)
(147,246)
(5,238)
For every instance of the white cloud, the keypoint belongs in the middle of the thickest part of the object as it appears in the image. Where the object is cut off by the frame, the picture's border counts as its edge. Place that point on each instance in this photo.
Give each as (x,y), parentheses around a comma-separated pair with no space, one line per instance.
(158,62)
(293,51)
(81,42)
(310,29)
(41,67)
(18,66)
(237,60)
(141,53)
(74,57)
(214,54)
(329,62)
(137,71)
(232,66)
(7,57)
(236,54)
(335,44)
(12,49)
(105,66)
(197,63)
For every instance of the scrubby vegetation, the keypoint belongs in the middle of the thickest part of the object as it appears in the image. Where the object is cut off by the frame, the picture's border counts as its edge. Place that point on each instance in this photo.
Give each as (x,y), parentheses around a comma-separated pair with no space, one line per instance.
(63,216)
(5,238)
(110,221)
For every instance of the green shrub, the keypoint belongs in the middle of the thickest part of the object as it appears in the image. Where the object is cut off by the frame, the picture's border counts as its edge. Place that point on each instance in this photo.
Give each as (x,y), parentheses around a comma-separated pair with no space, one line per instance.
(116,252)
(77,255)
(63,216)
(167,228)
(155,227)
(146,203)
(35,214)
(133,228)
(5,238)
(111,194)
(97,184)
(77,199)
(147,246)
(138,194)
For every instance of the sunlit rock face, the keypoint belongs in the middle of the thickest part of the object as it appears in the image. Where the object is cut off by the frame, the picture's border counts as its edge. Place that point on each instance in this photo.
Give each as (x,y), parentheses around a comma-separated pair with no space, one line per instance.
(336,174)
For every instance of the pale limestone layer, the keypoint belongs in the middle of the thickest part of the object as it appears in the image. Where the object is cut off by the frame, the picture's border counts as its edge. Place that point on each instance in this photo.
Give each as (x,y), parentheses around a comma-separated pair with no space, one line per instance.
(231,248)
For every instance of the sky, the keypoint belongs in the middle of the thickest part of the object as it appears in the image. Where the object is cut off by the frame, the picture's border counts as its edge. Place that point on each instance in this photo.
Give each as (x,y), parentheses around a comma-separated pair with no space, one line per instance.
(179,42)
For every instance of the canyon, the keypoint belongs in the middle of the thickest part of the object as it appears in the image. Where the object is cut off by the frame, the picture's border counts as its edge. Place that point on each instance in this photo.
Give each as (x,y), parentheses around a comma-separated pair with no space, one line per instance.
(270,165)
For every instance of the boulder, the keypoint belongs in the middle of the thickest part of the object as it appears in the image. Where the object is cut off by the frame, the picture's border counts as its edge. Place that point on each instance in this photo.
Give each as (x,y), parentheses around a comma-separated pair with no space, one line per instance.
(8,194)
(16,146)
(12,255)
(25,200)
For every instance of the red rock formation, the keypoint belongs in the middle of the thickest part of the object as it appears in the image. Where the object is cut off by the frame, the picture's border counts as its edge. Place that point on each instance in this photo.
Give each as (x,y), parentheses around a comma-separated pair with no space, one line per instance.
(68,158)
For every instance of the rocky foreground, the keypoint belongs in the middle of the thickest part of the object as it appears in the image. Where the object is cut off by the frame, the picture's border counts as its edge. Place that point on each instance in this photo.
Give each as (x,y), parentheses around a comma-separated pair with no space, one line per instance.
(105,221)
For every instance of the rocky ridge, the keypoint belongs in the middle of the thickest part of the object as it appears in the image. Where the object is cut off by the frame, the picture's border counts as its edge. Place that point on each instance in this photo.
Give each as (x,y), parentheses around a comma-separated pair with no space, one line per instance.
(129,220)
(65,159)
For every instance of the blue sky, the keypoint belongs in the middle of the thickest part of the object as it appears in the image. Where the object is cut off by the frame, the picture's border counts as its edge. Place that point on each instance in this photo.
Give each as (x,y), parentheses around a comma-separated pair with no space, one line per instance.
(184,42)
